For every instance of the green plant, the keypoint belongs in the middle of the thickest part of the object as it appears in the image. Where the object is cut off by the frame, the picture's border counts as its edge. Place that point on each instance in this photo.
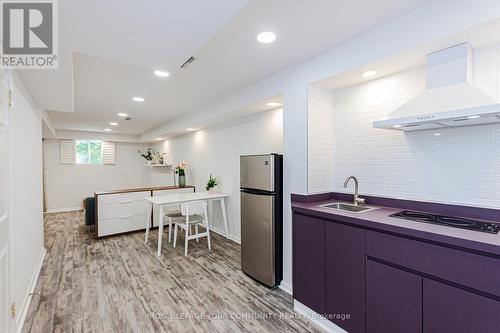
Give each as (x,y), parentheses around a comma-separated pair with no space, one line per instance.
(212,182)
(160,157)
(148,155)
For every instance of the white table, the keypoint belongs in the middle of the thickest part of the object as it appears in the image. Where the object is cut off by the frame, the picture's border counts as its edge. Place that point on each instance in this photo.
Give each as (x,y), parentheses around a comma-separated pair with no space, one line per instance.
(178,198)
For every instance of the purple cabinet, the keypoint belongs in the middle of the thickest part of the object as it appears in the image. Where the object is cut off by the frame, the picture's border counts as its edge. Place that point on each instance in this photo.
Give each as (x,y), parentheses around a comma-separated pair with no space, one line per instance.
(309,262)
(388,283)
(393,300)
(449,309)
(345,276)
(461,267)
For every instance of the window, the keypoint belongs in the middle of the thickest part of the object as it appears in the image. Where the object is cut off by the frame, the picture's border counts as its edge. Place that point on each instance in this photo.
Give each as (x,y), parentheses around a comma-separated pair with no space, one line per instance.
(88,152)
(93,152)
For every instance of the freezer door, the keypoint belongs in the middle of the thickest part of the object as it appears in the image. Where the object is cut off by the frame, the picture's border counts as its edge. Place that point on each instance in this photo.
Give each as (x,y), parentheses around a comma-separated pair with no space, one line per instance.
(257,237)
(257,172)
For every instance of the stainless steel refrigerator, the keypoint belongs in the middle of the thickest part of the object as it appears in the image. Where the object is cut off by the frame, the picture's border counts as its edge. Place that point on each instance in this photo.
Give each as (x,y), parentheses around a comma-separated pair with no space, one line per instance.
(262,217)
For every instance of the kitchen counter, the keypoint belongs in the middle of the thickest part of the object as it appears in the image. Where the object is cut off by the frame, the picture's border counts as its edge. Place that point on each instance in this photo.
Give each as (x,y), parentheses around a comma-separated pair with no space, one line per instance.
(379,220)
(391,274)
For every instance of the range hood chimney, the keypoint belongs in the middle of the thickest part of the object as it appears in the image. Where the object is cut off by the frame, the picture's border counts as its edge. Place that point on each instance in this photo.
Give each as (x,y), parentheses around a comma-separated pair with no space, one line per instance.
(451,99)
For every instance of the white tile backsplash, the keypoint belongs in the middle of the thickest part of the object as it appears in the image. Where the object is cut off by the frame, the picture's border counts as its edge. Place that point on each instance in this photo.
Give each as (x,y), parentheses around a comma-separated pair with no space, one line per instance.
(320,139)
(458,166)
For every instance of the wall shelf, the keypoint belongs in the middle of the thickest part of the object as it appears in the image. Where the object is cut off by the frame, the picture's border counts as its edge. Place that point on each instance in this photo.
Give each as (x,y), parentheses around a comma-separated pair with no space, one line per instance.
(158,165)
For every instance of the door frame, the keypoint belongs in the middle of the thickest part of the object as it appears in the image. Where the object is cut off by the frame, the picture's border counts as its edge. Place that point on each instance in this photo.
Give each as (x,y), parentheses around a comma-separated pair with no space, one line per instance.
(5,87)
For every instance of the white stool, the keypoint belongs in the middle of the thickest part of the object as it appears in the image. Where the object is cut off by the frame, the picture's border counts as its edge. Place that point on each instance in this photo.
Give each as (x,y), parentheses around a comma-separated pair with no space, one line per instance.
(167,216)
(193,213)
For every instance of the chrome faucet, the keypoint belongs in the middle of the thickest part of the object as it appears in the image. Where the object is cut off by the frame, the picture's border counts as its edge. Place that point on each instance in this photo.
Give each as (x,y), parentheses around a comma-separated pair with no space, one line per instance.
(357,200)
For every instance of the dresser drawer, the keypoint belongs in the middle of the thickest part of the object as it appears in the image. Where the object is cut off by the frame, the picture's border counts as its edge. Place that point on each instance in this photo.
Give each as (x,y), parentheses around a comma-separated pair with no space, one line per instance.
(111,210)
(465,268)
(121,224)
(123,197)
(120,205)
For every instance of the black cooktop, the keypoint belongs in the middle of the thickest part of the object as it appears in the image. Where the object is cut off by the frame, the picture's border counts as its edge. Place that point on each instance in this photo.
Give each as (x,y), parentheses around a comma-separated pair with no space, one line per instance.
(449,221)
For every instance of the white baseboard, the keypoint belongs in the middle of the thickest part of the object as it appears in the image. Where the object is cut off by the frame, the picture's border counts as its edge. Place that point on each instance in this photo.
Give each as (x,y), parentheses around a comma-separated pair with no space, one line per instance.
(62,210)
(223,233)
(286,287)
(23,310)
(315,319)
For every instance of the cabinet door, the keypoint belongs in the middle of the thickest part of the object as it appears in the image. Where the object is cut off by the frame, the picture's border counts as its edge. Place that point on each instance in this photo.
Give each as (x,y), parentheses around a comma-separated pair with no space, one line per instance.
(309,262)
(393,300)
(345,276)
(449,309)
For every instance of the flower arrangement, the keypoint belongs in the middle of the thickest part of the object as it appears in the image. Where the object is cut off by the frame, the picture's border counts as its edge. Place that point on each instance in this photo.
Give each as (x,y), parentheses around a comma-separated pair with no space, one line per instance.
(212,182)
(180,168)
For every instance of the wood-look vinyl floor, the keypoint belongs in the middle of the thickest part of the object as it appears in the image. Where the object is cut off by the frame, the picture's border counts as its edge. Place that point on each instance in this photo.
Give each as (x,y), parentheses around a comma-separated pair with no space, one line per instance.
(118,284)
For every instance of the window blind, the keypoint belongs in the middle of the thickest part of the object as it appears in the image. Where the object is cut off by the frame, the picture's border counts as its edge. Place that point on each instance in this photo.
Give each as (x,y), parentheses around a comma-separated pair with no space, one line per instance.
(67,151)
(108,153)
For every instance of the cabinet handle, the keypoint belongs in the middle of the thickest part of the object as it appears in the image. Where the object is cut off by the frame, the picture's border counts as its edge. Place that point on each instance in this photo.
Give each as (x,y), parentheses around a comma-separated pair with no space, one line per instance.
(126,217)
(126,201)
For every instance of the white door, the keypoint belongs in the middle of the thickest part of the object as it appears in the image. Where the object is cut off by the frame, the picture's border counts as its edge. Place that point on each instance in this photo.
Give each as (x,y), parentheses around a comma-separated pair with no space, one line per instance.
(6,320)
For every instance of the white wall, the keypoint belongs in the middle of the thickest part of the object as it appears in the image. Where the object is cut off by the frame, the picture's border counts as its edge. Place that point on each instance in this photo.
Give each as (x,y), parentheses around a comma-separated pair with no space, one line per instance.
(217,151)
(67,185)
(459,165)
(25,131)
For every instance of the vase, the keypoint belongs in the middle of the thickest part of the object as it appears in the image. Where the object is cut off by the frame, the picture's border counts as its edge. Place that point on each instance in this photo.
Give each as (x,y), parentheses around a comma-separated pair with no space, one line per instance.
(182,179)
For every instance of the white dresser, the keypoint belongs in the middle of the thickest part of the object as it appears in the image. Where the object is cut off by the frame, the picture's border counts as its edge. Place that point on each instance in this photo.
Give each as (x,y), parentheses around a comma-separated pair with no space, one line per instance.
(125,210)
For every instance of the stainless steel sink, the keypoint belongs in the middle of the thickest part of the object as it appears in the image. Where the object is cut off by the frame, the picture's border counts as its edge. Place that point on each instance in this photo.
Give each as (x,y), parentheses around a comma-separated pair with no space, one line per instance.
(346,207)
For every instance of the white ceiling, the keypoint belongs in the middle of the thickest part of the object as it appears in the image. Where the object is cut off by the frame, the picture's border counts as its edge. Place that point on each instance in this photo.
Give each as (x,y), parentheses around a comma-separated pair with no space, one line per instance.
(147,33)
(110,48)
(485,35)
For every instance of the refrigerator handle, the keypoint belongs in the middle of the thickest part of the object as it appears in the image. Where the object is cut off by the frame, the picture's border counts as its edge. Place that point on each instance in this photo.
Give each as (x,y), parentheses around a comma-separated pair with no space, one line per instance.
(257,192)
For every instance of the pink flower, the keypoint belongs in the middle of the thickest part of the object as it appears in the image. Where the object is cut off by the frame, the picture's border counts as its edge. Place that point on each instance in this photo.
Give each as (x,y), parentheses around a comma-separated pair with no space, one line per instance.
(181,165)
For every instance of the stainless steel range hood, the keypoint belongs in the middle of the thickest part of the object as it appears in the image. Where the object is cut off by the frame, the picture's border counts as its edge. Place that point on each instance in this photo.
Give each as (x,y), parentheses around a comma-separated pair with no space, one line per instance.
(451,99)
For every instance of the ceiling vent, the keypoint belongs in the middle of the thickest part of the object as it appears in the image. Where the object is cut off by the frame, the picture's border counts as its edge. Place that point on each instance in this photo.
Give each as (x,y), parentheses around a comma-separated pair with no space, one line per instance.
(188,62)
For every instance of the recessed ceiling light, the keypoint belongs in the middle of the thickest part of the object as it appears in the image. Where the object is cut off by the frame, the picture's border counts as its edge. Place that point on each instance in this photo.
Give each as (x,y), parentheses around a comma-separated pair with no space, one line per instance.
(369,73)
(437,134)
(397,126)
(273,103)
(266,37)
(473,117)
(107,129)
(138,99)
(159,139)
(190,129)
(122,115)
(161,73)
(113,123)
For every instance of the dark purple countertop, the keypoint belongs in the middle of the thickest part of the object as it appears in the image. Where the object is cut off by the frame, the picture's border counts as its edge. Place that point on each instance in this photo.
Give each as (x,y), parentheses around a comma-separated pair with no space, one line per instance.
(378,219)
